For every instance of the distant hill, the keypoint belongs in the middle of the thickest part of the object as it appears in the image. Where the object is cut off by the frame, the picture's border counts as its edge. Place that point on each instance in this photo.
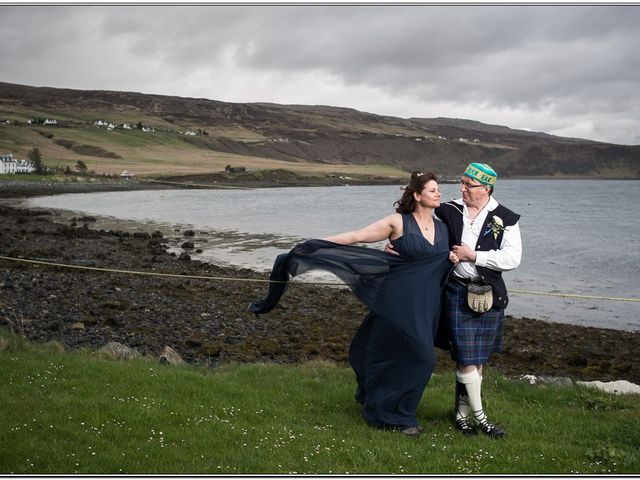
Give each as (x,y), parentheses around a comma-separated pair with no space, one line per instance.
(194,135)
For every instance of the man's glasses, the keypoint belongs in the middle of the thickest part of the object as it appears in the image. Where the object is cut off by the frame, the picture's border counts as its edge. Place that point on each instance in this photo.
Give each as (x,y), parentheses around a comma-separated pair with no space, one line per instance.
(468,186)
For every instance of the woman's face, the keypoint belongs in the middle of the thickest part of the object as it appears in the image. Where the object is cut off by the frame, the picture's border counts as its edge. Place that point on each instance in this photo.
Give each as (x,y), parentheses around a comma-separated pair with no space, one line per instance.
(430,195)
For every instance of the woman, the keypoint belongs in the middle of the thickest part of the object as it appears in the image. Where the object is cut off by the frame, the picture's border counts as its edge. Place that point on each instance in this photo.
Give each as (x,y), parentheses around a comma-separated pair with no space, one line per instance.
(392,352)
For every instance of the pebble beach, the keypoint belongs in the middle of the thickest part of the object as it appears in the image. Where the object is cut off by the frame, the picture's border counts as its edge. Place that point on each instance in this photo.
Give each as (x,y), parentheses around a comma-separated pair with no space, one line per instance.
(205,319)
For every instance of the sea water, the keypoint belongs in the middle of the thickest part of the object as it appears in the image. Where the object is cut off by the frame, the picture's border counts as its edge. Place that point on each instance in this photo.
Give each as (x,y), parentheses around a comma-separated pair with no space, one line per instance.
(579,236)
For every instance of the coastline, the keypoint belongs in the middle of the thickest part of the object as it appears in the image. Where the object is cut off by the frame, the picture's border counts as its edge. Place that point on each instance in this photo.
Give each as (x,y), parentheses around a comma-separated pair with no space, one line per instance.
(206,321)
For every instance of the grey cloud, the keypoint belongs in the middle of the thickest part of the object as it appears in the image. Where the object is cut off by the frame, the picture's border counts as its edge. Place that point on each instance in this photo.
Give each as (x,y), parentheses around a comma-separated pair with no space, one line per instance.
(574,60)
(497,54)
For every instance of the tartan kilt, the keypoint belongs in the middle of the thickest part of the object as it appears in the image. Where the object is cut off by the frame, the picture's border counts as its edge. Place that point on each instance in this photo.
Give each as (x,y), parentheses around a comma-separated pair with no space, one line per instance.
(474,336)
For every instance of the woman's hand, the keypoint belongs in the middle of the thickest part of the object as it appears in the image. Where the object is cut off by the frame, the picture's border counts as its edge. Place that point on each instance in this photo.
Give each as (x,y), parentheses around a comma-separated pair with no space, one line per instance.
(388,248)
(453,258)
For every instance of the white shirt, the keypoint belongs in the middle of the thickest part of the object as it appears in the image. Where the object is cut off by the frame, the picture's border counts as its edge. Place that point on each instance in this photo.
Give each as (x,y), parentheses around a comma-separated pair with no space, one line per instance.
(506,258)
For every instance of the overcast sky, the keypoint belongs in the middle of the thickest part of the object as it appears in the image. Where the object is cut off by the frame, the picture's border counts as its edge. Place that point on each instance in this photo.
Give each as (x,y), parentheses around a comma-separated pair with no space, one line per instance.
(565,70)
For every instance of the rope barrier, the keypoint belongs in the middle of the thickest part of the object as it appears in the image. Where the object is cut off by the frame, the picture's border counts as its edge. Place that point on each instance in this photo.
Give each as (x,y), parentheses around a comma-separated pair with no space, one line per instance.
(574,295)
(196,185)
(262,280)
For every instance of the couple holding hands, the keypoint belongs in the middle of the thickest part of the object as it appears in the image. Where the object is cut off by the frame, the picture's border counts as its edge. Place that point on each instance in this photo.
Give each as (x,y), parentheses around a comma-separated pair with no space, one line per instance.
(438,283)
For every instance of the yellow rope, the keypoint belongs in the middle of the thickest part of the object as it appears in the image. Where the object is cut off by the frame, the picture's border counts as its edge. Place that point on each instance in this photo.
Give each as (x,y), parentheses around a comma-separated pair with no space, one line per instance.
(261,280)
(197,185)
(157,274)
(574,295)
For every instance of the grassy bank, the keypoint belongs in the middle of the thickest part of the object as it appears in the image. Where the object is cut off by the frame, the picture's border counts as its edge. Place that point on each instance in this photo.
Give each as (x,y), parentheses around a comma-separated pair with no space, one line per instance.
(163,152)
(79,413)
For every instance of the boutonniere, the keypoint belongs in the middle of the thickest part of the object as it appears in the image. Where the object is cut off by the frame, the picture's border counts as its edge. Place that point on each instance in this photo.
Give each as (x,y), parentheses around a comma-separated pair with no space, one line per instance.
(495,226)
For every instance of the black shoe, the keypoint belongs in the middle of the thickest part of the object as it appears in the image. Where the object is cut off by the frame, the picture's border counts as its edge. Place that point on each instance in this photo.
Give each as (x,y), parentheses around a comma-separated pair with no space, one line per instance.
(491,430)
(465,428)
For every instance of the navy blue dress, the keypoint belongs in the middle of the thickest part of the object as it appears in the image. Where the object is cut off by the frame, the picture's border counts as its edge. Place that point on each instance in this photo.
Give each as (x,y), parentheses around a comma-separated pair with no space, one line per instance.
(392,352)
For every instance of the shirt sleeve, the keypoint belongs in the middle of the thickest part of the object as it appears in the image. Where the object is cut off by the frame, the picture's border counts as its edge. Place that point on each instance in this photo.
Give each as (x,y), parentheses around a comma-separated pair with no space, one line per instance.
(508,256)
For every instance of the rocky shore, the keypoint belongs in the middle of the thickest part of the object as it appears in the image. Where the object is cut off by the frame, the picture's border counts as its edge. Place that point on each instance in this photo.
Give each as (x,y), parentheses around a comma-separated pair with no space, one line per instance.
(206,320)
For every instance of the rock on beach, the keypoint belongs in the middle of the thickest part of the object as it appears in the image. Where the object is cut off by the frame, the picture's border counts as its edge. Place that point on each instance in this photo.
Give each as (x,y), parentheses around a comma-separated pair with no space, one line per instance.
(618,387)
(207,322)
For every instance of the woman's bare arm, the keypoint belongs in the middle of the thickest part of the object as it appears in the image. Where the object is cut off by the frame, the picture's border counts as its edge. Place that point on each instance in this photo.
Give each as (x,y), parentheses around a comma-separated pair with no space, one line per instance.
(381,230)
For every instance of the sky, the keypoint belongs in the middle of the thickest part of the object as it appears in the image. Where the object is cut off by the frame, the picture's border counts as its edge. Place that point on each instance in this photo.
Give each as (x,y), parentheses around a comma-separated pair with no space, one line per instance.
(569,70)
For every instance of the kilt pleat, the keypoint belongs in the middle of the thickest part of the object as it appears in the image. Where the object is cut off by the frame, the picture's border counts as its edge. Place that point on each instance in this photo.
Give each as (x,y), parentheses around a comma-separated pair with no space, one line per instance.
(474,336)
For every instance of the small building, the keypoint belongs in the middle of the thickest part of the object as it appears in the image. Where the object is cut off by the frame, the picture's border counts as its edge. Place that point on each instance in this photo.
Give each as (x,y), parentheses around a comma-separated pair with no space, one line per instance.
(230,169)
(24,166)
(48,121)
(279,140)
(8,164)
(127,176)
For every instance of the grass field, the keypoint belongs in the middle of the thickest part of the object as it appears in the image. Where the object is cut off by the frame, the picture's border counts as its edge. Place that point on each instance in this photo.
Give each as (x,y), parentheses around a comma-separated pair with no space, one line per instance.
(78,413)
(156,153)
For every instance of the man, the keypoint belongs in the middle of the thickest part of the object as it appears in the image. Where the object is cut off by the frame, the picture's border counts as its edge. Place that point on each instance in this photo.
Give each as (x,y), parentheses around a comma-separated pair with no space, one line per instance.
(485,237)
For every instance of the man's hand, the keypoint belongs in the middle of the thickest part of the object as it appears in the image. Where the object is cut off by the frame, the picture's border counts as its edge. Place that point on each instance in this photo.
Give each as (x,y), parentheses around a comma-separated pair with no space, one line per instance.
(388,248)
(464,252)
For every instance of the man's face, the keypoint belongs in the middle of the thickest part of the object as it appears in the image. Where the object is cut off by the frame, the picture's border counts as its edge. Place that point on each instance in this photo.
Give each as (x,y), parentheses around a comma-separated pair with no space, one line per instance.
(473,192)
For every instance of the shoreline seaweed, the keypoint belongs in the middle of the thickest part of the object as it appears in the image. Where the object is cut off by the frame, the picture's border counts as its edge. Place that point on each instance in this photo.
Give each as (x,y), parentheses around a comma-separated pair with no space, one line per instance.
(206,321)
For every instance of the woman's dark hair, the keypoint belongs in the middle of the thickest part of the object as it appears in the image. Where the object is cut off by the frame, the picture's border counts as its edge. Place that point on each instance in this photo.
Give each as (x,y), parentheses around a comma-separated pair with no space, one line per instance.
(418,180)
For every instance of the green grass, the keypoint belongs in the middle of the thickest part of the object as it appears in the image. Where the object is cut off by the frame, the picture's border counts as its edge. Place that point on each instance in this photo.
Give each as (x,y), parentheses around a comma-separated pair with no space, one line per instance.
(163,152)
(121,138)
(154,153)
(22,114)
(79,413)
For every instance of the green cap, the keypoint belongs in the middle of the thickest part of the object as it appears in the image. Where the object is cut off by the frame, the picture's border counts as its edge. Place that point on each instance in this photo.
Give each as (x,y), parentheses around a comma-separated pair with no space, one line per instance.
(482,173)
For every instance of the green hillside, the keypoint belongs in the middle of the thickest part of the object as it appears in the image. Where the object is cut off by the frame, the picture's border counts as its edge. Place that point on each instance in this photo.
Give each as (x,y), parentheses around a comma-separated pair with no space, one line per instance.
(194,136)
(163,151)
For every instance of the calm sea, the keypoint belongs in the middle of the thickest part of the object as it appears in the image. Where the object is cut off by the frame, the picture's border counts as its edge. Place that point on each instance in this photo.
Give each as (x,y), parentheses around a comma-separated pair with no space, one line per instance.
(579,236)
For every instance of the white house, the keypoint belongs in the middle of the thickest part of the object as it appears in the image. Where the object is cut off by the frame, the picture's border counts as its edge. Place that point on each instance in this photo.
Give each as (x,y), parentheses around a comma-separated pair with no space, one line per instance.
(50,122)
(8,164)
(127,175)
(24,167)
(279,140)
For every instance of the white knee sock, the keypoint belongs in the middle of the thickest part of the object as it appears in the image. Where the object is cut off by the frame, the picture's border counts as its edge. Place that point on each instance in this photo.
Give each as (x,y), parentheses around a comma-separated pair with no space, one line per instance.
(462,399)
(473,382)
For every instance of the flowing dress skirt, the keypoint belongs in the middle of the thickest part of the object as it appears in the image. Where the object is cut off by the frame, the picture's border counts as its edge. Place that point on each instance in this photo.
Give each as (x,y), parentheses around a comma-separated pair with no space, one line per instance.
(392,352)
(392,371)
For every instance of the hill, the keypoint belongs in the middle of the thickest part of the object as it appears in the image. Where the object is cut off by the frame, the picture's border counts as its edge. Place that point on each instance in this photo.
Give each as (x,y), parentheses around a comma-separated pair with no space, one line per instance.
(194,136)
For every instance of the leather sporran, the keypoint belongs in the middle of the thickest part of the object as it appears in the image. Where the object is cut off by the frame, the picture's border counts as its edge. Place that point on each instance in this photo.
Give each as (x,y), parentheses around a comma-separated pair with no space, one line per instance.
(479,297)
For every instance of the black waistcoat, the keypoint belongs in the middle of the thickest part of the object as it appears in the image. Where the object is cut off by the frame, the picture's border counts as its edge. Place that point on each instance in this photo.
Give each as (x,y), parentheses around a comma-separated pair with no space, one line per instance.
(452,217)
